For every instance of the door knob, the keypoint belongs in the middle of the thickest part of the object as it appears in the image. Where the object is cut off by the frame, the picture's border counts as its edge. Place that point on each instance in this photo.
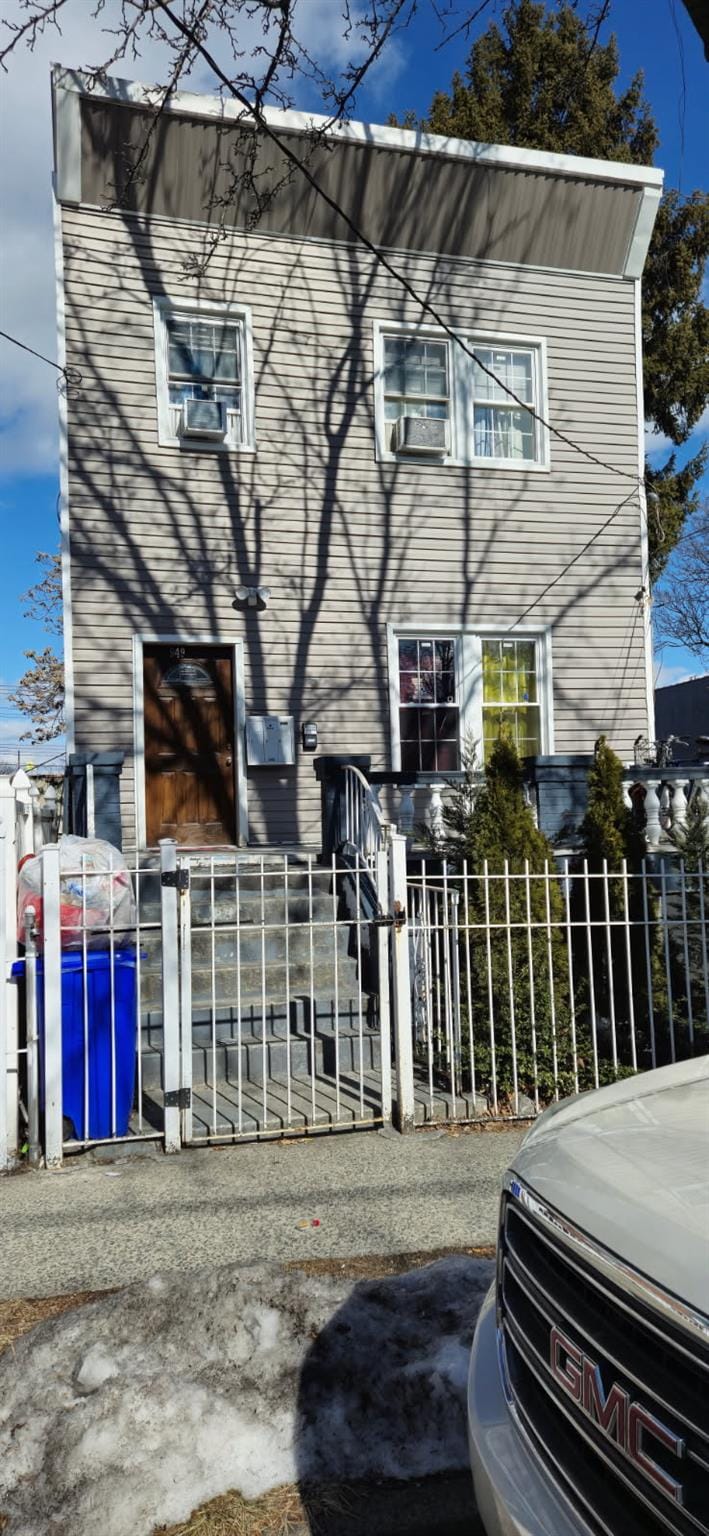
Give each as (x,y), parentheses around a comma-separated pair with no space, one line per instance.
(228,762)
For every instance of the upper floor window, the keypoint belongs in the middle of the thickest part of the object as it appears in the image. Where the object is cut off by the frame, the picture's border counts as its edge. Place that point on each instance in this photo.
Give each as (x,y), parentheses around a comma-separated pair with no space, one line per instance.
(415,378)
(500,429)
(472,418)
(204,375)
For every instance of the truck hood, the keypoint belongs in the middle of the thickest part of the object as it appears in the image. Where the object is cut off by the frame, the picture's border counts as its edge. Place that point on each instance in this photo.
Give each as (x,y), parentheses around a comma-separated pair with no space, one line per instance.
(629,1164)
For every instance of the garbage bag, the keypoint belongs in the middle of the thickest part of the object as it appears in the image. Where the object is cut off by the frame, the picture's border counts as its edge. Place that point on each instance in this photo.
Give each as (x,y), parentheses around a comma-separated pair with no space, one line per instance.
(96,894)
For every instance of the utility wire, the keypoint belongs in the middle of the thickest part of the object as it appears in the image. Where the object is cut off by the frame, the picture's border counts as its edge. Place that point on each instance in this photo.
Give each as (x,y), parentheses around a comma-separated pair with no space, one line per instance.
(70,375)
(423,303)
(573,561)
(426,306)
(255,112)
(25,348)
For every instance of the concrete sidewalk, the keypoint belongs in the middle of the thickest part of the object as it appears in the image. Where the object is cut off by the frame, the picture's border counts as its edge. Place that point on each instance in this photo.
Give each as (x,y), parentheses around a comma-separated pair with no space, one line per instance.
(99,1224)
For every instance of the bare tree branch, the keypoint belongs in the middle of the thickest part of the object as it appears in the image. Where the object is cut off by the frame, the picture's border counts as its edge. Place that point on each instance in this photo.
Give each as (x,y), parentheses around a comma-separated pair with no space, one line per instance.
(682,606)
(465,26)
(40,691)
(39,17)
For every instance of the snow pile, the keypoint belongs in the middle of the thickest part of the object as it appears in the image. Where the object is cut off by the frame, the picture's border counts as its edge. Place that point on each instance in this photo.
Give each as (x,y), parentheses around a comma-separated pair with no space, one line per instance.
(131,1411)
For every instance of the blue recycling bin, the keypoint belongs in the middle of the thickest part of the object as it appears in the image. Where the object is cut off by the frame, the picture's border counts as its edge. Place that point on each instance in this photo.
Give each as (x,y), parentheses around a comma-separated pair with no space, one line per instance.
(95,972)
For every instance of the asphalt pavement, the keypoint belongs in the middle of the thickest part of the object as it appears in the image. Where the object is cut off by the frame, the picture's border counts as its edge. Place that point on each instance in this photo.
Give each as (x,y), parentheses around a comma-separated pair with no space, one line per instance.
(96,1224)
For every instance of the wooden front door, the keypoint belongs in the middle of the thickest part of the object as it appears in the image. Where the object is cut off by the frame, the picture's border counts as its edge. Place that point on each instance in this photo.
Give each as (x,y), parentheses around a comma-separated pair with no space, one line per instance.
(189,744)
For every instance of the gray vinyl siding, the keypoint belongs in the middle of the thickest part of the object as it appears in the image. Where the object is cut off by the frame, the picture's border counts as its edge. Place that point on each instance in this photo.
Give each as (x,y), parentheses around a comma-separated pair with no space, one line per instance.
(160,538)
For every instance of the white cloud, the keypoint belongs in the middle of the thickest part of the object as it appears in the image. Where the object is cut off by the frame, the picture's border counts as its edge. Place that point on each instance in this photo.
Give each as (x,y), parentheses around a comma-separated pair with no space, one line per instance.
(668,671)
(658,443)
(28,400)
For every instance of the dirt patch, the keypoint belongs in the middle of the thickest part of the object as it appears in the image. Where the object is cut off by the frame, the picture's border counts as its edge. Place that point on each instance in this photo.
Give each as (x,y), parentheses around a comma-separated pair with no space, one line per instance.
(279,1513)
(376,1266)
(440,1506)
(499,1126)
(20,1316)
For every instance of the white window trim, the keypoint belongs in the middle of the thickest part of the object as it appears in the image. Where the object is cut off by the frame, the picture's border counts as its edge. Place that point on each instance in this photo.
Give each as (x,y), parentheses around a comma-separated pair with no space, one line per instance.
(461,430)
(469,676)
(193,308)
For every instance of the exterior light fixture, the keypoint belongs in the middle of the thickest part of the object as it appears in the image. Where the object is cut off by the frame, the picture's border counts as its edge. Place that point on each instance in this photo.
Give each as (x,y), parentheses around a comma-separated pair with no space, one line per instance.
(252,597)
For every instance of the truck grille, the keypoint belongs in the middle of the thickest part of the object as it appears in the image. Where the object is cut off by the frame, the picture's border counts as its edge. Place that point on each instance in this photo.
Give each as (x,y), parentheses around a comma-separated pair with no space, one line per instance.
(612,1393)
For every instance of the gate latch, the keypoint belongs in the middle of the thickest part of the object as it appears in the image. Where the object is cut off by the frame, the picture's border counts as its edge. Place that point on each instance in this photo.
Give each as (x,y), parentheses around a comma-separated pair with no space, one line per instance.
(179,878)
(395,919)
(178,1098)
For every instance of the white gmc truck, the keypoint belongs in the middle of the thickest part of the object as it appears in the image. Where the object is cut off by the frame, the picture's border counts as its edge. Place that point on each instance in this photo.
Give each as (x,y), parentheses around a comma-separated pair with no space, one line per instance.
(588,1399)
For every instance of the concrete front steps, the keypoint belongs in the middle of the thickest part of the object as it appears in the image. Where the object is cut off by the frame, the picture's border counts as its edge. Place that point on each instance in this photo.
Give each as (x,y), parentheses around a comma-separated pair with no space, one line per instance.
(284,1025)
(220,1112)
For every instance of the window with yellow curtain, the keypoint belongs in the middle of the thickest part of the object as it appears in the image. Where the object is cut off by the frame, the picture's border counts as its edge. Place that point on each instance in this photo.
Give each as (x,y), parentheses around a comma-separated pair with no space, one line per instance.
(511,695)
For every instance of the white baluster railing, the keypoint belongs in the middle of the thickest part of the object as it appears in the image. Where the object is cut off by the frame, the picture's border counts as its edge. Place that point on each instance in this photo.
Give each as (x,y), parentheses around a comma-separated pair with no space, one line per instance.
(406,809)
(434,813)
(665,795)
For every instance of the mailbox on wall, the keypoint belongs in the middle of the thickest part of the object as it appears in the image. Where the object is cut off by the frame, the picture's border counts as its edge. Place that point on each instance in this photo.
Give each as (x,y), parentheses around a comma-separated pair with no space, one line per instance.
(270,741)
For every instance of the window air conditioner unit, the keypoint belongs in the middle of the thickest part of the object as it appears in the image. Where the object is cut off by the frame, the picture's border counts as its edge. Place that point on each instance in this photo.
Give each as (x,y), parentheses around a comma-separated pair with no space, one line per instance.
(204,418)
(426,435)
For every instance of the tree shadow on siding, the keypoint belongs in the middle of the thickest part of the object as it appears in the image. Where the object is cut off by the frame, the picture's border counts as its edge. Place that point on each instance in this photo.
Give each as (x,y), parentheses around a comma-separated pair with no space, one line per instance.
(162,537)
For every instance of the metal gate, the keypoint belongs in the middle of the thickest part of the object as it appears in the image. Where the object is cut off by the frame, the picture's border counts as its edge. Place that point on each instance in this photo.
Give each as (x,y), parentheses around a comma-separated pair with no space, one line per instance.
(283,995)
(233,996)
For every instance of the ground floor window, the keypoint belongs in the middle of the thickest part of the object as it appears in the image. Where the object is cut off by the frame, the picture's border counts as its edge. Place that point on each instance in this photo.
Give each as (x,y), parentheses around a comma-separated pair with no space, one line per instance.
(510,701)
(429,713)
(450,687)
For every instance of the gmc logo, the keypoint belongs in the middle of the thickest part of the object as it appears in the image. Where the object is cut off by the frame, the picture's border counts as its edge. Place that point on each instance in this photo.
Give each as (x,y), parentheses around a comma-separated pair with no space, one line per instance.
(626,1423)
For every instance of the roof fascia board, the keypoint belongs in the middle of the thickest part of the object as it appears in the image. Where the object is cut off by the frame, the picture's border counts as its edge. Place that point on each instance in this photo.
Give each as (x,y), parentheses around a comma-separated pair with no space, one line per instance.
(642,233)
(66,123)
(133,93)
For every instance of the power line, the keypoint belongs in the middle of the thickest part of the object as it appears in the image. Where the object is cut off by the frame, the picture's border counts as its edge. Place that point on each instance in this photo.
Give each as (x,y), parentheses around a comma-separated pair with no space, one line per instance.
(425,304)
(70,375)
(25,348)
(573,561)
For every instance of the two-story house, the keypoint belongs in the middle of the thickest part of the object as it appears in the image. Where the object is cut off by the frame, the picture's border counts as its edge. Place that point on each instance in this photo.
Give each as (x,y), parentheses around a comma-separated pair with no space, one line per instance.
(397,502)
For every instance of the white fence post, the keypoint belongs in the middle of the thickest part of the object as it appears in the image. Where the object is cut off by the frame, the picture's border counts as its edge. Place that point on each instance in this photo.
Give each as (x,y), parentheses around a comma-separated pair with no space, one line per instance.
(17,824)
(90,801)
(382,879)
(51,926)
(33,1146)
(21,786)
(185,922)
(170,993)
(401,987)
(5,1074)
(9,1081)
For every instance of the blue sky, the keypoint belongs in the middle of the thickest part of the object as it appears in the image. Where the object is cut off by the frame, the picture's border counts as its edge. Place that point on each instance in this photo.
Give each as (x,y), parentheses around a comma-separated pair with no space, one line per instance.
(655,35)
